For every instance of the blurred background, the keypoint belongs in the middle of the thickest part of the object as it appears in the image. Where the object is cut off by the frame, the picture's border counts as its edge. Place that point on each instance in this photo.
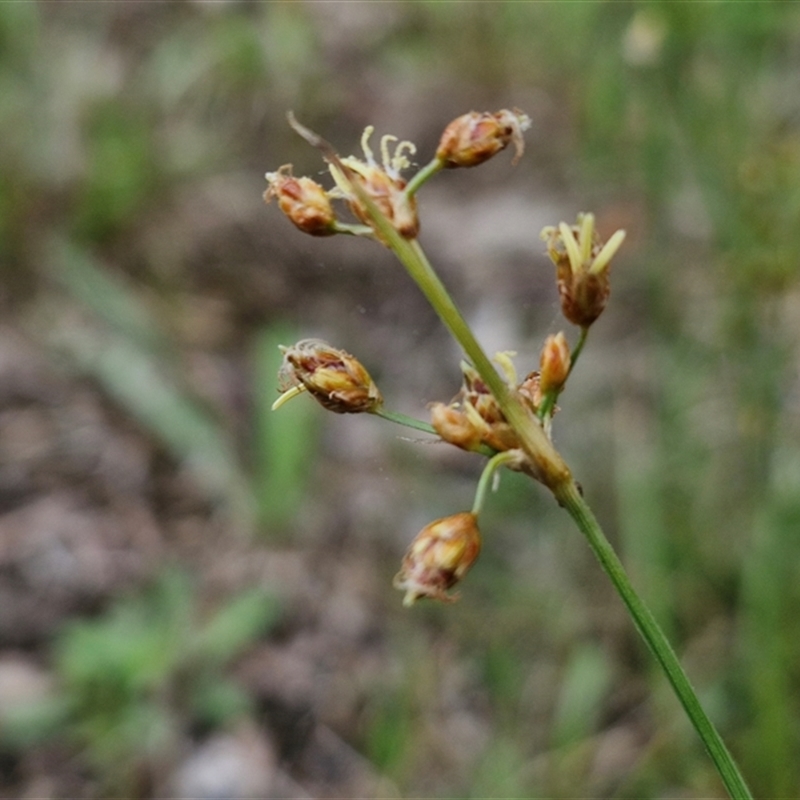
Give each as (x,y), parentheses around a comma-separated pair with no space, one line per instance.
(195,593)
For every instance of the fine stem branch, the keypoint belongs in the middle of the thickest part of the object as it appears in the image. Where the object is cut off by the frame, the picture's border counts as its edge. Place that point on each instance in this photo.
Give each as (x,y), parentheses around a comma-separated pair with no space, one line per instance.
(575,355)
(492,465)
(402,419)
(547,405)
(425,174)
(569,497)
(425,427)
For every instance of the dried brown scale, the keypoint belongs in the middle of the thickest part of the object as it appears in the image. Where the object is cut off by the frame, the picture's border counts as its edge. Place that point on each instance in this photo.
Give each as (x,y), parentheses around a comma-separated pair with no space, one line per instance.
(501,436)
(486,425)
(455,427)
(583,295)
(303,201)
(476,392)
(530,391)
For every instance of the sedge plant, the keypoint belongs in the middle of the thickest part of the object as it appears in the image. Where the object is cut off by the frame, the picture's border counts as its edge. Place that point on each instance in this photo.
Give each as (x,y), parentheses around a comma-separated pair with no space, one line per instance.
(496,414)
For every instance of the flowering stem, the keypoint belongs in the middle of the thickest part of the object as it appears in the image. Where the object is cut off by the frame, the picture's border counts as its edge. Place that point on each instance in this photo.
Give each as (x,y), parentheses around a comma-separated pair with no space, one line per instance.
(549,466)
(486,476)
(570,498)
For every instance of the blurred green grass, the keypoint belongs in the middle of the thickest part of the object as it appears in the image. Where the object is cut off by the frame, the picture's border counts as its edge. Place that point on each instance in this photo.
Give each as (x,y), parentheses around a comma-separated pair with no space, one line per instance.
(131,682)
(678,121)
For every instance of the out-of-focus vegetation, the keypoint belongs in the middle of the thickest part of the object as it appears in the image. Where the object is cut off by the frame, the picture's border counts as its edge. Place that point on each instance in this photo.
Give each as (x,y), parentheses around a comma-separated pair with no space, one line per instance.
(135,681)
(145,287)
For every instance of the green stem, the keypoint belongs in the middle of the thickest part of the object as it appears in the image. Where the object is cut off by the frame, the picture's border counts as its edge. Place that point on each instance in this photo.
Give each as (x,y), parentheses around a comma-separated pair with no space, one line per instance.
(416,263)
(486,476)
(427,172)
(569,497)
(566,492)
(575,354)
(547,405)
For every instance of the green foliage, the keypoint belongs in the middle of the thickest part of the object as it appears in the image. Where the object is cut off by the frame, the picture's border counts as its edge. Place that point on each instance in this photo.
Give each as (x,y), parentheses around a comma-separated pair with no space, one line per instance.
(119,180)
(132,680)
(390,732)
(502,772)
(583,687)
(130,353)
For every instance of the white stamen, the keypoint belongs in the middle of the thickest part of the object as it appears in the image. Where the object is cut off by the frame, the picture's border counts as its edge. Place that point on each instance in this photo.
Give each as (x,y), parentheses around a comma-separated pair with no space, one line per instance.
(385,159)
(368,131)
(400,162)
(478,422)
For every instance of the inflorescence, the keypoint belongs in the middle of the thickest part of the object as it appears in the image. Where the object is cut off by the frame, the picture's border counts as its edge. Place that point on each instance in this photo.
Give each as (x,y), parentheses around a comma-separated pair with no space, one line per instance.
(376,193)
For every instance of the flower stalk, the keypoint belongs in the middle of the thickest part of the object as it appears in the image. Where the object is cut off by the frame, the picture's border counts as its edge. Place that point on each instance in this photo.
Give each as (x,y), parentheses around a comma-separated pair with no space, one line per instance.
(403,419)
(487,476)
(444,550)
(425,174)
